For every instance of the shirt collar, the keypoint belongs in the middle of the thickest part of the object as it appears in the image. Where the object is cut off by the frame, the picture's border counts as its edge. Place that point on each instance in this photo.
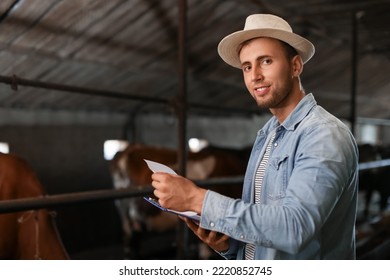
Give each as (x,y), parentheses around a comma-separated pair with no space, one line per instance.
(300,112)
(296,116)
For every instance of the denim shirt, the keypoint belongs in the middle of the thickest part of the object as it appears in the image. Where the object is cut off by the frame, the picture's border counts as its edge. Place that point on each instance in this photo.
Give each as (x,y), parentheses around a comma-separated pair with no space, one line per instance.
(309,194)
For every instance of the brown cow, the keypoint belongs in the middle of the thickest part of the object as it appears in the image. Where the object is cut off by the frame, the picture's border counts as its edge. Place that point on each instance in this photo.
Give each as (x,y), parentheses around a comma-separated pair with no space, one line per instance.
(129,170)
(28,234)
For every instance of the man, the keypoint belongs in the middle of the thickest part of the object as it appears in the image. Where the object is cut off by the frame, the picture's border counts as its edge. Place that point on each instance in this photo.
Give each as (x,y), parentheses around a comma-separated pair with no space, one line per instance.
(300,189)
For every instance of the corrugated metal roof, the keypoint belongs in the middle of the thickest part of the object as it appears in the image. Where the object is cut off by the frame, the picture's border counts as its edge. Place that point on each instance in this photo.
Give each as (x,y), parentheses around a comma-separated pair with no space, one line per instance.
(131,48)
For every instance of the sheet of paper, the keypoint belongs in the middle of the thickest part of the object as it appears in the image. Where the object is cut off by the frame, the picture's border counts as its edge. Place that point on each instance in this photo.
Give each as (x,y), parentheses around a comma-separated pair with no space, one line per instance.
(158,167)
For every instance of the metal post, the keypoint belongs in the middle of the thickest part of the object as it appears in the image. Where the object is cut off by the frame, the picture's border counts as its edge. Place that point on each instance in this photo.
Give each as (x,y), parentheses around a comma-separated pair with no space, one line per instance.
(181,105)
(354,71)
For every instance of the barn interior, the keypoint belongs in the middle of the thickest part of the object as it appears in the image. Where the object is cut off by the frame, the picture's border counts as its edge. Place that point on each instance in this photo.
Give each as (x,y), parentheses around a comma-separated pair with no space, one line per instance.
(75,74)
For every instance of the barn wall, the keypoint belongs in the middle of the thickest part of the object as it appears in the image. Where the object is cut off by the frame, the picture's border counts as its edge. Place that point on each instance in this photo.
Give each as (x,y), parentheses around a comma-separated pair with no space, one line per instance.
(67,158)
(220,131)
(385,136)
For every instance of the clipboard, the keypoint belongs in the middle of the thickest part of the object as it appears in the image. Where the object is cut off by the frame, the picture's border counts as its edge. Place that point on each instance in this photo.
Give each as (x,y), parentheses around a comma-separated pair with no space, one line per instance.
(188,214)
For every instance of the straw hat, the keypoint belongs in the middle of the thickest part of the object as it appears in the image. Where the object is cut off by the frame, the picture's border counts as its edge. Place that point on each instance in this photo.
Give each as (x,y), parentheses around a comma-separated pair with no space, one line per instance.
(263,25)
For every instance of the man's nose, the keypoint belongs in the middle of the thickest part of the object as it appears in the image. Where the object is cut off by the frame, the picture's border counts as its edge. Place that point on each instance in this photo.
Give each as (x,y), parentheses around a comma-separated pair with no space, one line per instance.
(257,74)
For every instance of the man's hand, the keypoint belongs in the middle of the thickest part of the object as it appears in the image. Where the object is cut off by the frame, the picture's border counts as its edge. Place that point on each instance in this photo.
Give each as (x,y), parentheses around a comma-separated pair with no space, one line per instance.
(177,193)
(215,240)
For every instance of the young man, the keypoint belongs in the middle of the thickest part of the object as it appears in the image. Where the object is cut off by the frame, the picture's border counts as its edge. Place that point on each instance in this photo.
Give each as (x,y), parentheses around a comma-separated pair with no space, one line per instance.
(300,188)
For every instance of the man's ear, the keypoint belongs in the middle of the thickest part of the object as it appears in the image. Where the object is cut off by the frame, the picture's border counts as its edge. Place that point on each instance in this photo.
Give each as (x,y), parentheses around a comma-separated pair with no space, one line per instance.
(297,65)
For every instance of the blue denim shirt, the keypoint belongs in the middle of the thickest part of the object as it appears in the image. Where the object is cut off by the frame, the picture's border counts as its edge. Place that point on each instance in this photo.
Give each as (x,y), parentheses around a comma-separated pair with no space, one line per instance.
(309,194)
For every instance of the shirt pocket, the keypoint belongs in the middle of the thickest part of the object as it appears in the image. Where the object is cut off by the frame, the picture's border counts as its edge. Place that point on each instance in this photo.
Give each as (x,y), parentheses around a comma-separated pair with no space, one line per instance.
(277,178)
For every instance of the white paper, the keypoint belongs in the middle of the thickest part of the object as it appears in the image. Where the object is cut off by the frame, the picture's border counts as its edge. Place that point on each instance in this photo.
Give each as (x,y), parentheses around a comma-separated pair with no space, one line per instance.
(158,167)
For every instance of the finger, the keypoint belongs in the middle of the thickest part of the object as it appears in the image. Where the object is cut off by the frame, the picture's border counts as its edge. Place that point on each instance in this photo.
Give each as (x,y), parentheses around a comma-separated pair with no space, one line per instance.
(213,234)
(155,184)
(194,227)
(157,193)
(157,177)
(222,237)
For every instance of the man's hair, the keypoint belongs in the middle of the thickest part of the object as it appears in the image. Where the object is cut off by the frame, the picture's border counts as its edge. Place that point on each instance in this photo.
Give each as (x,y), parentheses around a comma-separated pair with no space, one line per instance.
(289,50)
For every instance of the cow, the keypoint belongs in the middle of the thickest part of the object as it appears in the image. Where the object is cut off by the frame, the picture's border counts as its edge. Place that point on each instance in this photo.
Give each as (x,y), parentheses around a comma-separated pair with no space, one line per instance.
(30,234)
(129,170)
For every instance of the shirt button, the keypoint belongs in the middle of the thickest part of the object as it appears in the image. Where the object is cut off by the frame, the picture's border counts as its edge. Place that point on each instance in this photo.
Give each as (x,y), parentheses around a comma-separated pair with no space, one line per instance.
(275,144)
(241,236)
(212,224)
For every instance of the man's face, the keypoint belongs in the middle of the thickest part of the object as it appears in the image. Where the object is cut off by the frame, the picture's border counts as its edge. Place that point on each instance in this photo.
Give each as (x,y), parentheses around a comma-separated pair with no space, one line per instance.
(268,74)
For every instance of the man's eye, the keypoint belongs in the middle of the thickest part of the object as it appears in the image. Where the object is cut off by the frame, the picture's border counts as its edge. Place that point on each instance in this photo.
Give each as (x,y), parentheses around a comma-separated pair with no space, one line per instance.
(246,68)
(267,61)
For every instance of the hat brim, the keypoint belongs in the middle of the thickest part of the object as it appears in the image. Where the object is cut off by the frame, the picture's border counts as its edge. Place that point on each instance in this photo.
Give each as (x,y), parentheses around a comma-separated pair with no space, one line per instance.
(228,47)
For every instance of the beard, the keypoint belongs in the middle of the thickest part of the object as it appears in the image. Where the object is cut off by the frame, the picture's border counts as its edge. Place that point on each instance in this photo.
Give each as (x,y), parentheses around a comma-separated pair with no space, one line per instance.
(275,98)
